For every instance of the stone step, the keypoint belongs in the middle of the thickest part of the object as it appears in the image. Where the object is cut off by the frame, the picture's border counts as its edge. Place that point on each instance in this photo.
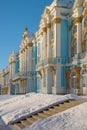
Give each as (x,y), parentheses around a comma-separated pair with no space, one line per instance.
(25,123)
(19,126)
(36,117)
(46,113)
(42,115)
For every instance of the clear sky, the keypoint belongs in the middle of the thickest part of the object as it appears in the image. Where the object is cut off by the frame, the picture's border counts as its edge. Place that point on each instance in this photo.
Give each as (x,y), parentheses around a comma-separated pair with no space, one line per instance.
(15,15)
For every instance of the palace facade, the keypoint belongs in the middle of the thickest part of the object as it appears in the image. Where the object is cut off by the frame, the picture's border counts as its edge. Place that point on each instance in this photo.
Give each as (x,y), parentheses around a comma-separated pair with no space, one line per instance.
(54,60)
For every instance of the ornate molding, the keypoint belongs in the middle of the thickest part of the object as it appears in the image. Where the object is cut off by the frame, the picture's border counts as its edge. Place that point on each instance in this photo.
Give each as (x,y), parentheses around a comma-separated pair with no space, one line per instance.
(57,20)
(78,20)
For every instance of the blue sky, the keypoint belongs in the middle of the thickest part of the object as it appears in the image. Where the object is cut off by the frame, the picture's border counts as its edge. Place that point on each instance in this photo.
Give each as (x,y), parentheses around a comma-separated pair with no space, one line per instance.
(15,15)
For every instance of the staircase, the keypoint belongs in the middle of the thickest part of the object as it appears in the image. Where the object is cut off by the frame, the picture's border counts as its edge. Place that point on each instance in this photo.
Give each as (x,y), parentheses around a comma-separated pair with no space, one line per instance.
(45,113)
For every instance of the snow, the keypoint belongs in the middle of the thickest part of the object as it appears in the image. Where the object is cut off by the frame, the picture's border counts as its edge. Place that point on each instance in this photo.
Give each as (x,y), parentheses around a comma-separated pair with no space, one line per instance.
(16,107)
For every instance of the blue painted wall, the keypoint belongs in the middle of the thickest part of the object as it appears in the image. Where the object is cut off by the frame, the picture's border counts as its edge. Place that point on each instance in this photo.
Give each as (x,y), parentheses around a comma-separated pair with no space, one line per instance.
(17,66)
(64,39)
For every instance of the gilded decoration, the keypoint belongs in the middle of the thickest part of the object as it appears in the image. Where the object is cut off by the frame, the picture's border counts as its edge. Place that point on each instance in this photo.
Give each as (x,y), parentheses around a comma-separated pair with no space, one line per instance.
(30,44)
(44,29)
(72,49)
(84,66)
(52,69)
(39,72)
(85,13)
(48,25)
(77,69)
(83,45)
(57,20)
(84,29)
(78,20)
(68,72)
(12,61)
(41,33)
(70,27)
(85,4)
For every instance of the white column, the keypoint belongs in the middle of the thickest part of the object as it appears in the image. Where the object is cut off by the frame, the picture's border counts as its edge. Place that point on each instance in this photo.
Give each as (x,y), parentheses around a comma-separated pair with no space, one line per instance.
(79,37)
(48,81)
(20,59)
(44,42)
(59,88)
(48,40)
(57,37)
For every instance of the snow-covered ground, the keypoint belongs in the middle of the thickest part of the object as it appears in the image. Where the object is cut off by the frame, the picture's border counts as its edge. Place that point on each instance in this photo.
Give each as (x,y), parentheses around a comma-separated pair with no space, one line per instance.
(15,107)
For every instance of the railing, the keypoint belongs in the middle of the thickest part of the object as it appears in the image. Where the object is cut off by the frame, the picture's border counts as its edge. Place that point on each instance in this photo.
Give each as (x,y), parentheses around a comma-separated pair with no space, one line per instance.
(45,62)
(22,74)
(54,61)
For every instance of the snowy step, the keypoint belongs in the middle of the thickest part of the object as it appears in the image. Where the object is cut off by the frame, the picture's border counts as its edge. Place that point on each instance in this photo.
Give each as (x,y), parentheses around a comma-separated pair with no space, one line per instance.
(25,123)
(42,115)
(31,120)
(36,117)
(46,113)
(19,126)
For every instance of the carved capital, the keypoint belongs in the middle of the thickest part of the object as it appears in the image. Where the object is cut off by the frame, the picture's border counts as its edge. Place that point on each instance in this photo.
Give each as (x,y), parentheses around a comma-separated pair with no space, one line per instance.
(30,44)
(77,20)
(39,72)
(52,69)
(44,29)
(57,20)
(41,33)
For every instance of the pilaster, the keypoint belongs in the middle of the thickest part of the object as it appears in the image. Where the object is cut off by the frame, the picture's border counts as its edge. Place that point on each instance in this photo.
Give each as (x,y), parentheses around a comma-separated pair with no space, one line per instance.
(48,37)
(57,36)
